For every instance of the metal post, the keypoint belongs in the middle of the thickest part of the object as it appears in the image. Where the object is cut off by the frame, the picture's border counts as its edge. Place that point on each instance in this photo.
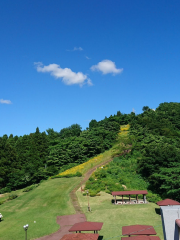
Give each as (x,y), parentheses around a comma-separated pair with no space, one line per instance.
(88,201)
(25,229)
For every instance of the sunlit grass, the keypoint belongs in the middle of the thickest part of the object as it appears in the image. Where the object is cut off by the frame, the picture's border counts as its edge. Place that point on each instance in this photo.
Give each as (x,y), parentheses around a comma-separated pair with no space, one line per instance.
(38,208)
(116,216)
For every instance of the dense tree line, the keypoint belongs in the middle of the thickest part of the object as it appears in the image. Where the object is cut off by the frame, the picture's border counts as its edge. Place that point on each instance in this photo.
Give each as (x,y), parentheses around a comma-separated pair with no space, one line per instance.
(28,159)
(157,137)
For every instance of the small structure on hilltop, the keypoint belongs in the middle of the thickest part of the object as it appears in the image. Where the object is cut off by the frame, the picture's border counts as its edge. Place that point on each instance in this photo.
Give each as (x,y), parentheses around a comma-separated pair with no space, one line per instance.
(138,230)
(123,193)
(86,226)
(80,236)
(167,202)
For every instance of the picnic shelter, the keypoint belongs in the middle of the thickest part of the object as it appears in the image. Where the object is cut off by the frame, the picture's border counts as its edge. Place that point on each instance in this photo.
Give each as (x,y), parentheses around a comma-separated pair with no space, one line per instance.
(129,193)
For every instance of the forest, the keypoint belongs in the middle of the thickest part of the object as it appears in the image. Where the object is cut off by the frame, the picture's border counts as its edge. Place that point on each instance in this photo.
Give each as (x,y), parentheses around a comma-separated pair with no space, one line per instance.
(155,150)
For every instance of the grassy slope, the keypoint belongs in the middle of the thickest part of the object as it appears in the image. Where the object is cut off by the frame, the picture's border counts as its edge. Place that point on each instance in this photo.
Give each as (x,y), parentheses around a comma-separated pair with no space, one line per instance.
(42,205)
(51,199)
(116,216)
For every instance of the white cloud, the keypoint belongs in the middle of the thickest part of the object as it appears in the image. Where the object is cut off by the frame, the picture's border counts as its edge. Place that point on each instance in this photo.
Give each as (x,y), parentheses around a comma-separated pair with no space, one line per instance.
(75,49)
(87,57)
(66,74)
(106,66)
(2,101)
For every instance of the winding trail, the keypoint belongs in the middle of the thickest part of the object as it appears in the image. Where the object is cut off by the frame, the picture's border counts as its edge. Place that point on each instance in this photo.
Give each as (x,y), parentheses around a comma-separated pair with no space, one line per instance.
(73,196)
(67,221)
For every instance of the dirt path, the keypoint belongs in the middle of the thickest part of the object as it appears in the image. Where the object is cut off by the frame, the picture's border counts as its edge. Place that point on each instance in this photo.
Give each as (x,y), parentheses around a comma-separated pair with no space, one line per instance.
(87,175)
(67,221)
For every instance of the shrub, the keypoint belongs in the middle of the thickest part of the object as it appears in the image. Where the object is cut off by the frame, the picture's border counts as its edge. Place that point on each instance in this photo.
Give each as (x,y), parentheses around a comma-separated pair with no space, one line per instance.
(12,196)
(152,197)
(91,179)
(56,176)
(27,189)
(92,193)
(79,174)
(1,202)
(5,190)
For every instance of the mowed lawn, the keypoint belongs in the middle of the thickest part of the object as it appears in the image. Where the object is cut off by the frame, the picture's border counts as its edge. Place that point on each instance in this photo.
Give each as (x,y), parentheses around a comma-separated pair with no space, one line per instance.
(38,208)
(116,216)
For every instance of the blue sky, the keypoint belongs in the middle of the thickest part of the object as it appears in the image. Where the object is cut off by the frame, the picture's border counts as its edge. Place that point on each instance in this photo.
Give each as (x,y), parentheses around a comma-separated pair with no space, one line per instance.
(66,62)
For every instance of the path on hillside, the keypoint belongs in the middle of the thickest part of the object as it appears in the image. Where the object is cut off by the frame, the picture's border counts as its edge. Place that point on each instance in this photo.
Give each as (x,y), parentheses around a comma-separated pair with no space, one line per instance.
(67,221)
(87,175)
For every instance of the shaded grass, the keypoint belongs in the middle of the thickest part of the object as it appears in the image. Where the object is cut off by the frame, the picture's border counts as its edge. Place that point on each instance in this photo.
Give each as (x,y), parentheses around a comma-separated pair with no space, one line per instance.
(42,205)
(116,216)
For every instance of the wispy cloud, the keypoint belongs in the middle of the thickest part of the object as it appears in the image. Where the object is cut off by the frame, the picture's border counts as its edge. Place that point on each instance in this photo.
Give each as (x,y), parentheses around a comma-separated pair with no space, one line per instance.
(106,66)
(78,49)
(75,49)
(2,101)
(66,74)
(87,57)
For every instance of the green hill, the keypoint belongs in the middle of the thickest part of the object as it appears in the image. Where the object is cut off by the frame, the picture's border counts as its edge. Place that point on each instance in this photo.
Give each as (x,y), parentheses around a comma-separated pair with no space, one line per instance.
(145,156)
(38,208)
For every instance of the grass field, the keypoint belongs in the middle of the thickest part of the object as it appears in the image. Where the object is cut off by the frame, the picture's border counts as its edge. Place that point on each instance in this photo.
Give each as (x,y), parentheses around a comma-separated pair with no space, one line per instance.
(38,208)
(116,216)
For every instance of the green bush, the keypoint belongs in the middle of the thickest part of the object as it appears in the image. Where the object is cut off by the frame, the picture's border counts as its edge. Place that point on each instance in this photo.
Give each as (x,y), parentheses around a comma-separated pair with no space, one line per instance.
(27,189)
(91,179)
(122,170)
(79,174)
(56,176)
(152,197)
(1,202)
(12,196)
(5,190)
(92,193)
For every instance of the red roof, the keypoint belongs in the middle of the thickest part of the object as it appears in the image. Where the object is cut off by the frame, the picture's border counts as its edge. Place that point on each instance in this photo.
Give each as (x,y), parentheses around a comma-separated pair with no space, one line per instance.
(80,236)
(167,202)
(141,238)
(138,230)
(86,226)
(129,192)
